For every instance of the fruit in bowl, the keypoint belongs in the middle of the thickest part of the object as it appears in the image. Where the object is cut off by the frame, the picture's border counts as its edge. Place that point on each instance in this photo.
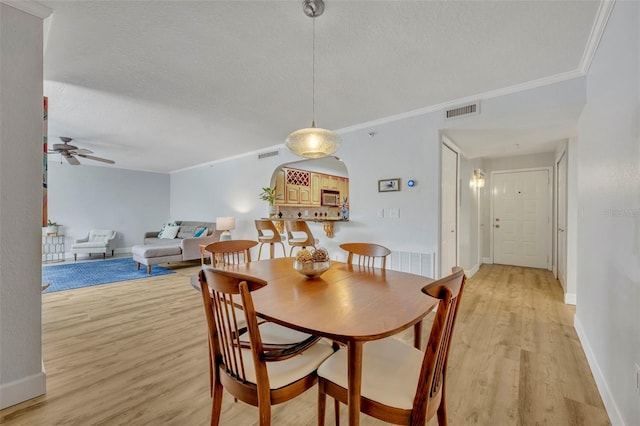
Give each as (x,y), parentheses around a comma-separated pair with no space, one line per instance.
(312,264)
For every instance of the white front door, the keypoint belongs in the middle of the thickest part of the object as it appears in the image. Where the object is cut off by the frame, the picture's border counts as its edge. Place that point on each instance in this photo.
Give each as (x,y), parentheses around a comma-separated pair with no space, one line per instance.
(521,218)
(449,211)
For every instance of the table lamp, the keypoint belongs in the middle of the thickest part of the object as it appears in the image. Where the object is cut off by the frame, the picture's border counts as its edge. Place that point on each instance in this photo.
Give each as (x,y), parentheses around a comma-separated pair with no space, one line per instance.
(225,224)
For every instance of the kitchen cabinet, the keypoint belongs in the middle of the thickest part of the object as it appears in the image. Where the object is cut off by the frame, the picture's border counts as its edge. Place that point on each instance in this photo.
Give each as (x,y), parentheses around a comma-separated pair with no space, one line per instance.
(304,188)
(316,179)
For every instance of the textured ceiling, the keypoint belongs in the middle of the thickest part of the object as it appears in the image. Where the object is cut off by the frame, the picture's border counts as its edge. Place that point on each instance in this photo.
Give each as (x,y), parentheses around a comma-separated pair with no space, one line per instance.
(162,86)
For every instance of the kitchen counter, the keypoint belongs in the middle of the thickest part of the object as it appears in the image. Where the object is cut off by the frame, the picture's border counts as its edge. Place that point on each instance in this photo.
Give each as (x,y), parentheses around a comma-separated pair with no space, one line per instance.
(328,222)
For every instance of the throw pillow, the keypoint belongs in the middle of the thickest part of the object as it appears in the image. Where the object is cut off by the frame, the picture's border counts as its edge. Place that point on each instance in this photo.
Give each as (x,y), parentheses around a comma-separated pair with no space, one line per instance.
(200,232)
(169,232)
(164,225)
(187,231)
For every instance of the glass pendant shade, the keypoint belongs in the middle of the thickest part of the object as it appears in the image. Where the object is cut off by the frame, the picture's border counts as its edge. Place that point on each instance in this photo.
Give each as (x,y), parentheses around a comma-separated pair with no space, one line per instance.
(313,142)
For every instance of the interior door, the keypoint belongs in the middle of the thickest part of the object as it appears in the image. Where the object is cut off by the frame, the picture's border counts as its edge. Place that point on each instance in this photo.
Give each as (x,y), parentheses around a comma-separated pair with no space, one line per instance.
(561,220)
(521,218)
(449,210)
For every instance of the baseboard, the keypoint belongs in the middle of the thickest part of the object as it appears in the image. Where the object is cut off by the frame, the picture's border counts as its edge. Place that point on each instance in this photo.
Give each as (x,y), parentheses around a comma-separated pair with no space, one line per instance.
(609,403)
(570,298)
(21,390)
(487,260)
(469,273)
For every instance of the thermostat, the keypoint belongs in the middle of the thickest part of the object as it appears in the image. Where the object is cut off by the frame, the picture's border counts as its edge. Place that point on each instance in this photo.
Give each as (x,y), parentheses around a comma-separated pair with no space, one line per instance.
(411,183)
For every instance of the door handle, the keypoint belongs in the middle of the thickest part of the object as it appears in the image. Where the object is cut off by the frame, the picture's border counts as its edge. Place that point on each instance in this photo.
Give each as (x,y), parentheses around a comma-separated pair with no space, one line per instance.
(497,225)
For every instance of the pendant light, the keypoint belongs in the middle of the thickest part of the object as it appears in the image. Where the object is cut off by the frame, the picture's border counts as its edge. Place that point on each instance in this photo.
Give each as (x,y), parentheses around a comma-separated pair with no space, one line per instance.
(313,142)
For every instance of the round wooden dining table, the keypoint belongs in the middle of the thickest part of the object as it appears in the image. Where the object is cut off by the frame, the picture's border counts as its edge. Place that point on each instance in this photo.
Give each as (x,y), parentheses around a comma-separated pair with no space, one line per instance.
(351,304)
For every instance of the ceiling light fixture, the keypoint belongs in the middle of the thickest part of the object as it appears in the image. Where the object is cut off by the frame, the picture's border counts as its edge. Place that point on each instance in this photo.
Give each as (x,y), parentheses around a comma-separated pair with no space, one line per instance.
(313,142)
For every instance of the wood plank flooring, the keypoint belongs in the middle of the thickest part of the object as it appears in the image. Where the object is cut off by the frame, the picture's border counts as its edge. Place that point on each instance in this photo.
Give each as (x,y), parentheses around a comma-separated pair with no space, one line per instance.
(134,353)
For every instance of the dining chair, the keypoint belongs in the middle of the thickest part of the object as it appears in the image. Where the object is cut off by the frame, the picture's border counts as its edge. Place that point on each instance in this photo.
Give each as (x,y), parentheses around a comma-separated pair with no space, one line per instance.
(295,228)
(248,370)
(230,252)
(233,252)
(400,384)
(366,254)
(268,234)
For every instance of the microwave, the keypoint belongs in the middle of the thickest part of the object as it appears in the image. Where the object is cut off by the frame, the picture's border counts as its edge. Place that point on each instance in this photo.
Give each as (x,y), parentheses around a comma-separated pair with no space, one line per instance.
(330,198)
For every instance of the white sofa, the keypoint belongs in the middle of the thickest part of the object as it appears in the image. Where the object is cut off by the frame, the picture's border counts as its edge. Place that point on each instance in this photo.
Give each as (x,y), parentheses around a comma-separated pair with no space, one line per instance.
(184,246)
(98,241)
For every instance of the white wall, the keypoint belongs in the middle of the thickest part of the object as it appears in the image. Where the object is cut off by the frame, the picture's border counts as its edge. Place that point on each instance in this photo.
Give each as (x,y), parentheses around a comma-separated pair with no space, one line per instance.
(608,300)
(21,372)
(85,197)
(406,149)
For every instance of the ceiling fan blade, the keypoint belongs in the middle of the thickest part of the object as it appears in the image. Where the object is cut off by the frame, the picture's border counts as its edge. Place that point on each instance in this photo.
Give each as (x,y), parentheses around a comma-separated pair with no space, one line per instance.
(82,151)
(91,157)
(72,160)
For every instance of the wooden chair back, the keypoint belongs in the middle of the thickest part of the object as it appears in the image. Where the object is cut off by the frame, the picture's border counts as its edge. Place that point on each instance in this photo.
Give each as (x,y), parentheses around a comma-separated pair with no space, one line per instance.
(366,254)
(222,291)
(230,252)
(431,384)
(273,236)
(268,234)
(429,397)
(299,226)
(240,365)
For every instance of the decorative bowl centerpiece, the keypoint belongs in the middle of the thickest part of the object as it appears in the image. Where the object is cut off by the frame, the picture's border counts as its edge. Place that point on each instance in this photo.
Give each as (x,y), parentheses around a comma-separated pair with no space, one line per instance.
(312,264)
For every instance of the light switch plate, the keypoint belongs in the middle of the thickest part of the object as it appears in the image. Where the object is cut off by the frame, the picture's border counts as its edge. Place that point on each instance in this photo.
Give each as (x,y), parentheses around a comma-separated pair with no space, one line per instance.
(394,213)
(380,213)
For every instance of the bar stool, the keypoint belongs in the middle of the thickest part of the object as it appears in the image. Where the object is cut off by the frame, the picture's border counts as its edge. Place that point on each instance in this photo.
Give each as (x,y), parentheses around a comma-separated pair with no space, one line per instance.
(266,238)
(305,241)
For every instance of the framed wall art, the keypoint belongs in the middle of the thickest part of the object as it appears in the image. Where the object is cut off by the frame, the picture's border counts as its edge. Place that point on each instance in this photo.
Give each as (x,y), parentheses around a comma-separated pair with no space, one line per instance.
(388,185)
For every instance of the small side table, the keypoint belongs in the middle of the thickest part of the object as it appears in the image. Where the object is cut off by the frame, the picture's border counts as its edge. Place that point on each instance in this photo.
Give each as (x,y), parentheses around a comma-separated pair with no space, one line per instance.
(202,252)
(52,248)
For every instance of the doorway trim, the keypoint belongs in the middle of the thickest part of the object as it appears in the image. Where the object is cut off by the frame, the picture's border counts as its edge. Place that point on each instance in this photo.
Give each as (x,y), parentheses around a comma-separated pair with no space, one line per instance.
(446,143)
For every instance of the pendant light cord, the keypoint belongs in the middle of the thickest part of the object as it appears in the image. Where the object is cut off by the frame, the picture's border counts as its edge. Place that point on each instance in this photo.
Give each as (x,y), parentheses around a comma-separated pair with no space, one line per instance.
(313,77)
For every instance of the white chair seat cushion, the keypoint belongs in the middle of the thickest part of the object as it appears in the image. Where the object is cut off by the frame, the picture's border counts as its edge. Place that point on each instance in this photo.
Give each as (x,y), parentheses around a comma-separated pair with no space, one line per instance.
(282,373)
(301,240)
(390,371)
(270,238)
(272,333)
(90,244)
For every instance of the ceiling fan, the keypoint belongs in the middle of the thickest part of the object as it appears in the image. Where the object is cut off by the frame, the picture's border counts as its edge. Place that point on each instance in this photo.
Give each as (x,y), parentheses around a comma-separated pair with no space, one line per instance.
(69,152)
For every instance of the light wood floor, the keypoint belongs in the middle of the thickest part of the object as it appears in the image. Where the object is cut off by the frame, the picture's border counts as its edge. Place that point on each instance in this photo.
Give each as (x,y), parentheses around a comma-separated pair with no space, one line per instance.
(134,353)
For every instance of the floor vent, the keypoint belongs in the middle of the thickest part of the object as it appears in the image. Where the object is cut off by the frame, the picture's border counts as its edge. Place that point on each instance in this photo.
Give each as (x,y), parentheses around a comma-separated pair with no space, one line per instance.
(464,110)
(268,154)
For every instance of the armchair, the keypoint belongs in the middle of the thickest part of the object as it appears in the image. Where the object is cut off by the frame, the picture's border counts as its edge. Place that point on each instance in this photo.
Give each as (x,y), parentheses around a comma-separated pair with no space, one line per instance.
(98,241)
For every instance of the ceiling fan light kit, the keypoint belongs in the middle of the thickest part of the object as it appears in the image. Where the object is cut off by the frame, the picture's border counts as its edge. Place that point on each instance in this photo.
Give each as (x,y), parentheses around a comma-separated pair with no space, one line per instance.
(313,142)
(69,152)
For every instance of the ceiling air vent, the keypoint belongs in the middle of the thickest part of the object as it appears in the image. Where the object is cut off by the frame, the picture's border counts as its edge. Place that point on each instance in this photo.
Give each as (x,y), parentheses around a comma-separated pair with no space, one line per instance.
(268,154)
(464,110)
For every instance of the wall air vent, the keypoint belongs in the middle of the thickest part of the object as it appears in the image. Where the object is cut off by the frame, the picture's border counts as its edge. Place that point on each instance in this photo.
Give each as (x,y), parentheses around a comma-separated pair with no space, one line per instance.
(463,111)
(268,154)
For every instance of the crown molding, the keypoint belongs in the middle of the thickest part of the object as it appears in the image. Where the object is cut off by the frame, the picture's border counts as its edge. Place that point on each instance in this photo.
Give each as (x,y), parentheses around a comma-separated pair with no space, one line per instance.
(599,24)
(29,6)
(545,81)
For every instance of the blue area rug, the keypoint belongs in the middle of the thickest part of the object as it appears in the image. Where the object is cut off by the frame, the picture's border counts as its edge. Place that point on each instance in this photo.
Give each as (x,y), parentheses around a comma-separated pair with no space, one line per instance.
(85,274)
